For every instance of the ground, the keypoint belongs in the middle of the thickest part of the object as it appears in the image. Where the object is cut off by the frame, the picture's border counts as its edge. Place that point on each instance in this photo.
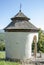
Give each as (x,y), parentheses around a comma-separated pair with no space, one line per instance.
(3,62)
(8,63)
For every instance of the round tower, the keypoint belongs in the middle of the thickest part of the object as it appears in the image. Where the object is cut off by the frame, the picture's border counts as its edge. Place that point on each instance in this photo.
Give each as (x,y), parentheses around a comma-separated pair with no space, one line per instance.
(19,37)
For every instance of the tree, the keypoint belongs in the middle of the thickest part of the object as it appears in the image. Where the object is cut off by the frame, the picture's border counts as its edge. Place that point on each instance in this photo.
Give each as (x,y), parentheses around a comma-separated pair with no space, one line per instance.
(40,44)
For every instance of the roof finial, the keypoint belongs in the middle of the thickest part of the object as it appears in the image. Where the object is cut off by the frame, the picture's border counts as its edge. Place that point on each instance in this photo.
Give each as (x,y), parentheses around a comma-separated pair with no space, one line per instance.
(20,7)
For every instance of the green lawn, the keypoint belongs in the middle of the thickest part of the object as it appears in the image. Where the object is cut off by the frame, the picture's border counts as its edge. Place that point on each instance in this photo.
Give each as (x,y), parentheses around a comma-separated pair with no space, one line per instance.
(8,63)
(2,54)
(3,62)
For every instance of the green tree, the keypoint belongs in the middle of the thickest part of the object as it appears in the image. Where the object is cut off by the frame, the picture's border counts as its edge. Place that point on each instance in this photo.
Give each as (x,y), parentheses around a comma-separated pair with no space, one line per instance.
(40,44)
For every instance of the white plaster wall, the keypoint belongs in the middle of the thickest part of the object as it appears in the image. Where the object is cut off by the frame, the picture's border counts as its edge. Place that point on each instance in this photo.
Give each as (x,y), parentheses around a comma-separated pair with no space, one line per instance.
(29,44)
(18,44)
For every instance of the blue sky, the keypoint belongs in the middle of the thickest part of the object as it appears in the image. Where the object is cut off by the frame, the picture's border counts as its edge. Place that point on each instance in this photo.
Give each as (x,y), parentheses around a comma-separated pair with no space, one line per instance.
(34,9)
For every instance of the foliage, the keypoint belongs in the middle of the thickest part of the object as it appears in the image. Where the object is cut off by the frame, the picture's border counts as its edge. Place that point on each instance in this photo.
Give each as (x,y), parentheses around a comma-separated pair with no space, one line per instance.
(40,44)
(2,42)
(2,46)
(41,41)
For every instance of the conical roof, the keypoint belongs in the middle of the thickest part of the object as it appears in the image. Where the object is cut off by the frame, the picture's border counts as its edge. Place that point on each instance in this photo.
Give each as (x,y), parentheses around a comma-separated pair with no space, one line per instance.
(20,22)
(20,16)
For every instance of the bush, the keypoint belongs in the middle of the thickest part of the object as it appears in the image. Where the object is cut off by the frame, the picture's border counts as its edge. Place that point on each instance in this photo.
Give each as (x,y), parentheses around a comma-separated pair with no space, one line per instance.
(2,46)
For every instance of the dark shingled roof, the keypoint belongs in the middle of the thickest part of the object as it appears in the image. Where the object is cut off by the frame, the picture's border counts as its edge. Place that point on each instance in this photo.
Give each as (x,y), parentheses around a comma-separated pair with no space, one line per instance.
(21,25)
(20,21)
(21,16)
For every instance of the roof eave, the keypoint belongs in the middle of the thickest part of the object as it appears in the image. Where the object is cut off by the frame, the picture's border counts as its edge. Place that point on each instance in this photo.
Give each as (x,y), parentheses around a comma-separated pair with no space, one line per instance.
(21,30)
(20,18)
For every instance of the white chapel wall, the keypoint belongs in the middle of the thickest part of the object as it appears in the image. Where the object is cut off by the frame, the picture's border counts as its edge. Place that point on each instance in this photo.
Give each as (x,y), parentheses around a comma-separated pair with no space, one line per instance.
(18,44)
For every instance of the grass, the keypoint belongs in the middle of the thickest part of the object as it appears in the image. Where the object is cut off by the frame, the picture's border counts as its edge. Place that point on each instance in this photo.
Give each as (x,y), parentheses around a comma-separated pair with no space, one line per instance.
(3,62)
(8,63)
(2,54)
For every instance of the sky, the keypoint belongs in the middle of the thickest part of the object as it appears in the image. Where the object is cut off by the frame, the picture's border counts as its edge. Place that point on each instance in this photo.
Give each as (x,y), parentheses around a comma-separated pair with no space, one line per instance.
(34,9)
